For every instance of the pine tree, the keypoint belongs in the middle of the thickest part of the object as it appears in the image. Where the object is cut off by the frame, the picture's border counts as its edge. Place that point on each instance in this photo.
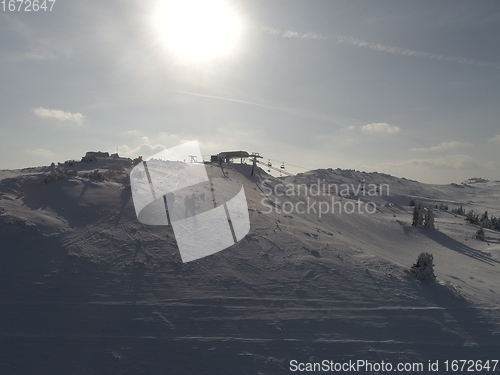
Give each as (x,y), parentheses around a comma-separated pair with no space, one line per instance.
(424,268)
(486,221)
(470,217)
(418,215)
(421,214)
(496,223)
(429,219)
(459,211)
(415,216)
(423,217)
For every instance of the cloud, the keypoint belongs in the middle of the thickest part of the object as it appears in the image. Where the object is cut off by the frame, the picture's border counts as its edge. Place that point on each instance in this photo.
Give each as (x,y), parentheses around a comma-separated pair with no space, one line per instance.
(443,146)
(351,41)
(271,30)
(294,34)
(40,152)
(138,135)
(145,150)
(495,139)
(30,45)
(58,114)
(449,161)
(493,165)
(134,133)
(380,127)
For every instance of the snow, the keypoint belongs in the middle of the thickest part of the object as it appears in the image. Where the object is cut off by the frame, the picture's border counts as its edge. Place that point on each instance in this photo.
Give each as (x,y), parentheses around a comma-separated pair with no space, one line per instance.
(90,290)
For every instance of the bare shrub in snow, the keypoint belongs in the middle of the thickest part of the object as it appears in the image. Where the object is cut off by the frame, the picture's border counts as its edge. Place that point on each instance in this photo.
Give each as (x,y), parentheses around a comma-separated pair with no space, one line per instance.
(53,176)
(480,234)
(93,175)
(424,268)
(89,158)
(58,174)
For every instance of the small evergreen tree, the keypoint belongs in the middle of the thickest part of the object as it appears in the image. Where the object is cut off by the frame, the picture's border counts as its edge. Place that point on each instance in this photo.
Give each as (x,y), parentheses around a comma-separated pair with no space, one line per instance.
(485,221)
(423,217)
(423,269)
(496,224)
(471,217)
(415,216)
(429,219)
(484,217)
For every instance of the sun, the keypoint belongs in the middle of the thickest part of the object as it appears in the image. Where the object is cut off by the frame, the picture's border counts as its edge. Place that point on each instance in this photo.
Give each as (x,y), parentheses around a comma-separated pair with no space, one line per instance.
(198,30)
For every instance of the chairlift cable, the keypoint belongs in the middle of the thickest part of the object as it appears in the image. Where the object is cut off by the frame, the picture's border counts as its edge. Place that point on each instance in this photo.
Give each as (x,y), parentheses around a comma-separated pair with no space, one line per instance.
(293,165)
(275,169)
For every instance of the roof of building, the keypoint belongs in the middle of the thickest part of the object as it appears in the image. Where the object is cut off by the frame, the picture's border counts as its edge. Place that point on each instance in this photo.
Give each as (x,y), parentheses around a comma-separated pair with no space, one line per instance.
(234,154)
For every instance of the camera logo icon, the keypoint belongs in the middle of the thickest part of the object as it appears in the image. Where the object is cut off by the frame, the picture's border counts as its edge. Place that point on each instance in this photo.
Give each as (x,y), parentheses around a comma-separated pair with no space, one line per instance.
(207,215)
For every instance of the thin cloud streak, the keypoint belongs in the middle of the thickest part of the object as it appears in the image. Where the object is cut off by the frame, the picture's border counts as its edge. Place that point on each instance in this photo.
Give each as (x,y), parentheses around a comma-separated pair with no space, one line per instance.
(40,152)
(449,161)
(292,111)
(351,41)
(443,146)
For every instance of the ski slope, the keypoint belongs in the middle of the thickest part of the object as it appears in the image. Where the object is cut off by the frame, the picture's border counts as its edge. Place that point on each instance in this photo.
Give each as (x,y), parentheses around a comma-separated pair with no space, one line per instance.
(87,289)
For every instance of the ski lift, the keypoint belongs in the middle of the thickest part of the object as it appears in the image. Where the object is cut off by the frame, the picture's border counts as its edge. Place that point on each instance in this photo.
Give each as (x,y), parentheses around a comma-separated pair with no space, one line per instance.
(282,165)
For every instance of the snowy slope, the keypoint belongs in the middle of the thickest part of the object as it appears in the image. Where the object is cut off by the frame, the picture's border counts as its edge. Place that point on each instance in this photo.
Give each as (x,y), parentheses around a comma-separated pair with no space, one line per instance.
(90,290)
(476,194)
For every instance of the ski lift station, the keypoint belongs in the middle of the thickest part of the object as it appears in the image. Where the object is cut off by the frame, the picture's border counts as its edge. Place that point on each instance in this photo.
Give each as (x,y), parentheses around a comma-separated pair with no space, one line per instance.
(228,156)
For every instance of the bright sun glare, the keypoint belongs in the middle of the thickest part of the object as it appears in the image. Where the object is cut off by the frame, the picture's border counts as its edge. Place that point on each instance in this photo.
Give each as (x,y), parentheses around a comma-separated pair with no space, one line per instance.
(198,29)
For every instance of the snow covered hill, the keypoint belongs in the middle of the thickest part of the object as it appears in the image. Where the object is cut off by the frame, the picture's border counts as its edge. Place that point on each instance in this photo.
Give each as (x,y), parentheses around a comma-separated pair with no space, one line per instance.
(87,289)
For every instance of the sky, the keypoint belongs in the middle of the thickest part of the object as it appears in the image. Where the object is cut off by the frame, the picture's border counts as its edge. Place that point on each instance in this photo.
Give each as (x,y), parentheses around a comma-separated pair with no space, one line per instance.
(408,88)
